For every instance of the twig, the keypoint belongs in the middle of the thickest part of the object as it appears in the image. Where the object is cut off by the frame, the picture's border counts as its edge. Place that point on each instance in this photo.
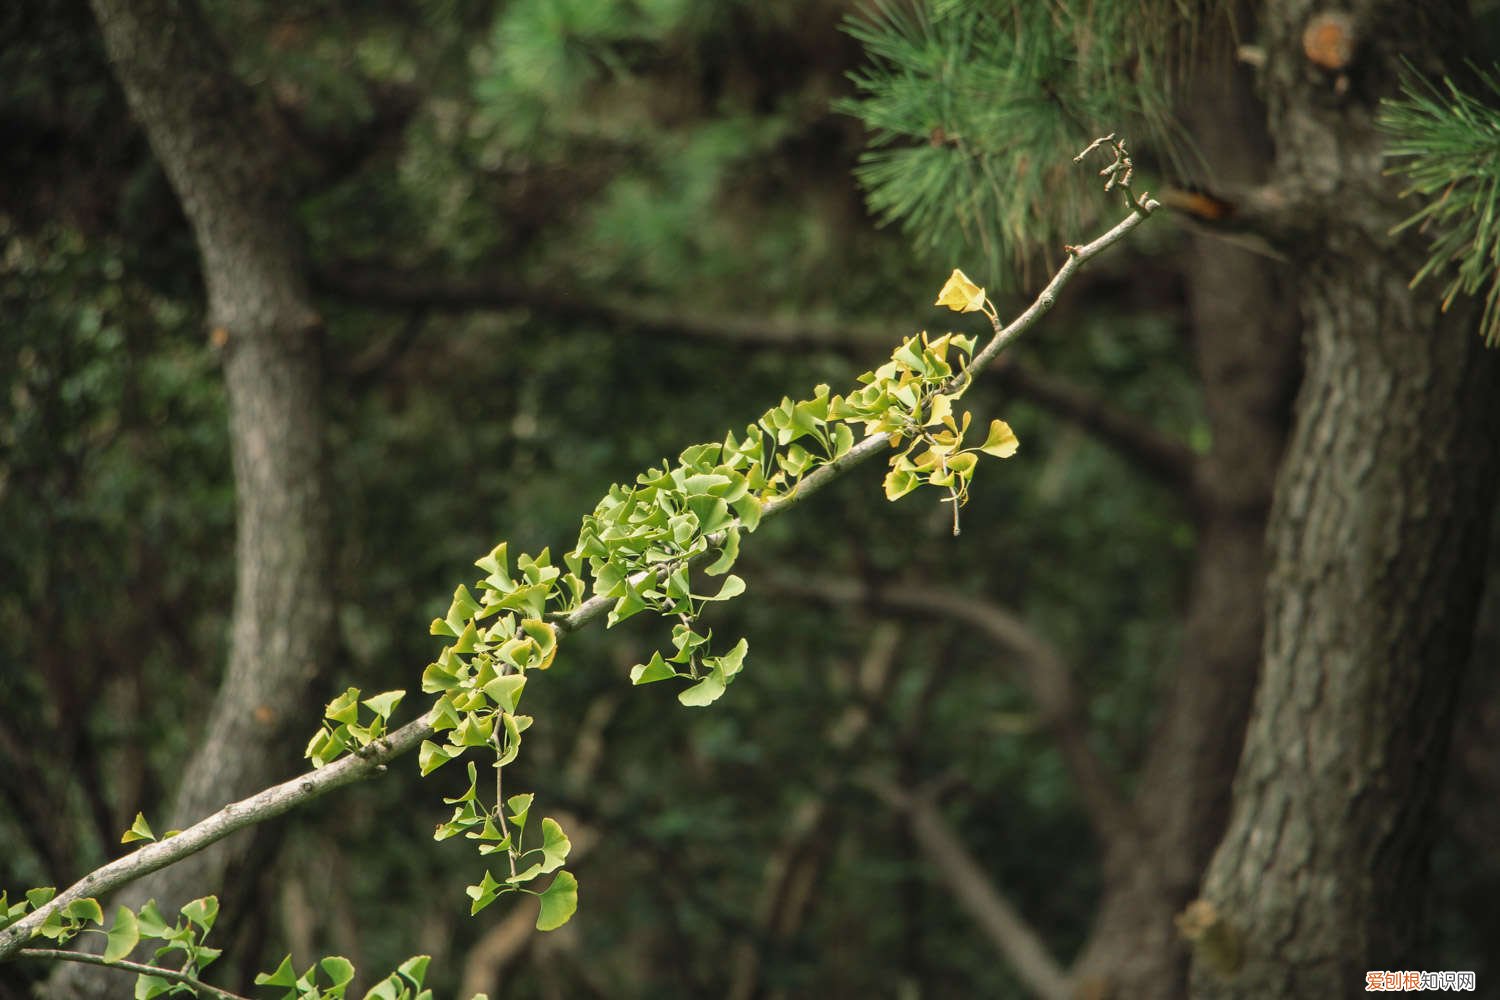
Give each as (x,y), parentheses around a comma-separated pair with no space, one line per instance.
(515,848)
(198,987)
(485,962)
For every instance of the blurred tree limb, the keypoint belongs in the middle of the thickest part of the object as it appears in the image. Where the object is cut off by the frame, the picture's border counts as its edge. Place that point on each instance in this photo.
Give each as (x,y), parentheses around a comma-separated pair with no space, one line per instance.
(1162,456)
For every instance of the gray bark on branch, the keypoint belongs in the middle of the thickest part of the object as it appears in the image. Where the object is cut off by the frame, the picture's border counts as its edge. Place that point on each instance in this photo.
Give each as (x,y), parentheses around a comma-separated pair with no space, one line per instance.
(258,808)
(219,147)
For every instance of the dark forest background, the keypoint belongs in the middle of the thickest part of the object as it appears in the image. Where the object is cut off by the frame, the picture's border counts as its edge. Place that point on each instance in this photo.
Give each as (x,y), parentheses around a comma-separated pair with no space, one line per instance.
(538,246)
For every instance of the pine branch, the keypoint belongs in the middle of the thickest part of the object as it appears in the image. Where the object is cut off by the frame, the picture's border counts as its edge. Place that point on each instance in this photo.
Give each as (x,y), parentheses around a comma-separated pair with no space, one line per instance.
(1449,144)
(969,104)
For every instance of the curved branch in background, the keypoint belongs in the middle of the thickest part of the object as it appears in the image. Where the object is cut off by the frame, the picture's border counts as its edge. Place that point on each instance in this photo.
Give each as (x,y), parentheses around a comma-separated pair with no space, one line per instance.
(970,884)
(1270,216)
(1162,456)
(280,798)
(1041,668)
(794,866)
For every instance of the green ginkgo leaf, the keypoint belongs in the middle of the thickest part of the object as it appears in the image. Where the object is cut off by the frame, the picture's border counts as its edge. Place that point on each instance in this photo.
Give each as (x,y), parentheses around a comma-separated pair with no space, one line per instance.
(559,902)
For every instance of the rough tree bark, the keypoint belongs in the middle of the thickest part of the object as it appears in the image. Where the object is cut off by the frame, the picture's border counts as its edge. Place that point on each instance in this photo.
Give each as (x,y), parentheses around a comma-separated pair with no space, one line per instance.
(1377,543)
(219,149)
(1245,350)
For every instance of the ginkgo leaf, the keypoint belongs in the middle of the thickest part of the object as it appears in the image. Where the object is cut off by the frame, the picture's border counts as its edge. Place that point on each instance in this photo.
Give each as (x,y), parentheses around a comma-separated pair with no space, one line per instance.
(559,901)
(961,294)
(942,408)
(139,830)
(1001,440)
(123,936)
(898,483)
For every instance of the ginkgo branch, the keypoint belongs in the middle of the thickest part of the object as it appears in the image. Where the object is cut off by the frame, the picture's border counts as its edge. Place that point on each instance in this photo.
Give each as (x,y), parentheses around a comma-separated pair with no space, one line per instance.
(1004,336)
(258,808)
(369,760)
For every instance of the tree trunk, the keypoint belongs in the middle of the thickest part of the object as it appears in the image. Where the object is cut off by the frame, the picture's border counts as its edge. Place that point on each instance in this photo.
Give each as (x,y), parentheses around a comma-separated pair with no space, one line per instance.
(1377,548)
(220,151)
(1245,349)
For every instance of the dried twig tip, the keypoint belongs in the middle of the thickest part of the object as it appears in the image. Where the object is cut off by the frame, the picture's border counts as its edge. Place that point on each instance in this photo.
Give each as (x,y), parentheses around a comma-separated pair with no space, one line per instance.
(1119,173)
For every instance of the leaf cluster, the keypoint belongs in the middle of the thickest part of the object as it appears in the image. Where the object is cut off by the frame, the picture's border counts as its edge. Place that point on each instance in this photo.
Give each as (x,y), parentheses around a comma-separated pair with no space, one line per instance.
(328,979)
(636,552)
(405,983)
(186,938)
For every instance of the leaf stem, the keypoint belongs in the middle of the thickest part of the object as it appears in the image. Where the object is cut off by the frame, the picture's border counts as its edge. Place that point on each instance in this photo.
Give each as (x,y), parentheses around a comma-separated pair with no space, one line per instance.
(510,852)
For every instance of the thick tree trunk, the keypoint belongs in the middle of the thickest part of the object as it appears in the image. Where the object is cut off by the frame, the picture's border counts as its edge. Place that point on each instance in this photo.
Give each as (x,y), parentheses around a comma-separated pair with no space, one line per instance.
(1377,546)
(1245,348)
(219,150)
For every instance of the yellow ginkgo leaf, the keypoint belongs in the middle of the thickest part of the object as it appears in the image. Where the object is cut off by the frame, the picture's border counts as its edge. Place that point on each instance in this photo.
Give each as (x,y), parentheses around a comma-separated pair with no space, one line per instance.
(960,294)
(1001,440)
(942,409)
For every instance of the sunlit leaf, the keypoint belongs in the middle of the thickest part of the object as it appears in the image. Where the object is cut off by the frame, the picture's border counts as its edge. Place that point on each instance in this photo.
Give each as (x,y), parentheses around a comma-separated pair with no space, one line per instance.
(414,969)
(85,909)
(139,830)
(344,708)
(123,936)
(733,587)
(1001,440)
(961,294)
(505,691)
(202,911)
(705,692)
(385,703)
(555,845)
(339,970)
(284,975)
(899,483)
(558,903)
(655,670)
(150,987)
(430,757)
